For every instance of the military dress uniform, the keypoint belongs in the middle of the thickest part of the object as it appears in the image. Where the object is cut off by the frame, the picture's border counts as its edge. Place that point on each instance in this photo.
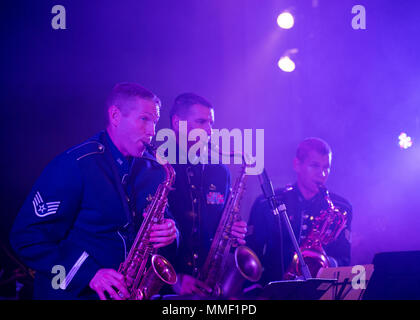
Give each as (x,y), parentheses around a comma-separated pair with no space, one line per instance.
(270,244)
(82,214)
(197,203)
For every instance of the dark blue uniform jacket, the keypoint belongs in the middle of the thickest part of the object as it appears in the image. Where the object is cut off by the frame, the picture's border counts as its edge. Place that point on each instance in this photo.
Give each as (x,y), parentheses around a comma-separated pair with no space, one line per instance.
(269,244)
(197,204)
(77,218)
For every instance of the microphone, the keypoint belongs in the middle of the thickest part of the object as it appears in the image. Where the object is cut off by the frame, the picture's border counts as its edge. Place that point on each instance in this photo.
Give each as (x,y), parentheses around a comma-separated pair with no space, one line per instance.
(268,191)
(266,185)
(280,209)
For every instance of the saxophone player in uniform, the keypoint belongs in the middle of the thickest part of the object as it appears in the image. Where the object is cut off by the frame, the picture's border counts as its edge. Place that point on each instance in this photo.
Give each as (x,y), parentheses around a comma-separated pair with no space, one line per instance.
(77,224)
(198,199)
(305,200)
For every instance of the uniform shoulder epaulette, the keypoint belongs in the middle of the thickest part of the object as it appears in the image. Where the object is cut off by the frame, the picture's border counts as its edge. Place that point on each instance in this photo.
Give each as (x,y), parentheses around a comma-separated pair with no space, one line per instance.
(286,189)
(86,148)
(282,192)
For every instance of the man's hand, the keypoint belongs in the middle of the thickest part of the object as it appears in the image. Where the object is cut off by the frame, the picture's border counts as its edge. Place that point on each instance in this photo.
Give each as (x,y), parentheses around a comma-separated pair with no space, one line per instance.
(163,234)
(238,231)
(190,285)
(110,281)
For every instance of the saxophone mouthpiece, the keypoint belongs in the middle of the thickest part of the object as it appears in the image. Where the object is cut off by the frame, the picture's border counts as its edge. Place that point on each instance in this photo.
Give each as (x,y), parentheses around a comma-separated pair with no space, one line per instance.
(322,189)
(150,147)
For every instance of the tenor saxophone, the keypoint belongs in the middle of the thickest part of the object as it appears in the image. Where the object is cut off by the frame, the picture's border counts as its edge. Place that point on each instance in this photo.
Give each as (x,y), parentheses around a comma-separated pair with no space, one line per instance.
(142,282)
(222,277)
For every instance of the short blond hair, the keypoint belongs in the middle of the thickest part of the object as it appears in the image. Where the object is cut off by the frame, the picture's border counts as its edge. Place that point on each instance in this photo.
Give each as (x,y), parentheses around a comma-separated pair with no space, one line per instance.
(124,91)
(312,144)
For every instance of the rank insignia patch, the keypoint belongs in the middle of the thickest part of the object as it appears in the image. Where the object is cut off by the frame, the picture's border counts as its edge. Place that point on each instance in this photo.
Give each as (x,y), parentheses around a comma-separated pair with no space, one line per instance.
(42,208)
(215,198)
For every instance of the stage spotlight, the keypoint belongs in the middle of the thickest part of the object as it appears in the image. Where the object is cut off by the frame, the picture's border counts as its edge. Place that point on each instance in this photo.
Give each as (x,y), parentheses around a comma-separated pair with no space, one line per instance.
(286,64)
(285,20)
(405,141)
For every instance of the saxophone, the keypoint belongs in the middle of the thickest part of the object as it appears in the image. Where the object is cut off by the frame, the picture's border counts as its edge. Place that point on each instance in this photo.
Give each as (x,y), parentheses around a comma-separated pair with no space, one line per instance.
(325,229)
(225,279)
(143,283)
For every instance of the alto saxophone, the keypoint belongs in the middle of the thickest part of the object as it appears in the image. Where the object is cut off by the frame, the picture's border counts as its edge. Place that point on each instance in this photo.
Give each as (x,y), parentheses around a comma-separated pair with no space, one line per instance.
(325,229)
(216,273)
(143,283)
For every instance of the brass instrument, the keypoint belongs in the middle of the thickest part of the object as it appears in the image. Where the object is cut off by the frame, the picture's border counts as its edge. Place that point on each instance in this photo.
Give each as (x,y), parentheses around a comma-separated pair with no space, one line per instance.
(325,229)
(143,283)
(225,279)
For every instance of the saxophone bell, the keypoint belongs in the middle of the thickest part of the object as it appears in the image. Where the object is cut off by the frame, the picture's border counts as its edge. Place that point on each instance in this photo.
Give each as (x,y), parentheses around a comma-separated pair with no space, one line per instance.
(159,273)
(223,272)
(243,266)
(325,229)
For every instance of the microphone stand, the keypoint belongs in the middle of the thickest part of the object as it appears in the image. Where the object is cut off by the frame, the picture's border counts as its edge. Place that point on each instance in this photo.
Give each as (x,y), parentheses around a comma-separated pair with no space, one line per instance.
(279,210)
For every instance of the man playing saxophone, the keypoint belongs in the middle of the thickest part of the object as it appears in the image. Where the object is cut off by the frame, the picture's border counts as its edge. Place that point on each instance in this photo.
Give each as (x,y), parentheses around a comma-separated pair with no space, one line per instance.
(78,223)
(305,201)
(198,199)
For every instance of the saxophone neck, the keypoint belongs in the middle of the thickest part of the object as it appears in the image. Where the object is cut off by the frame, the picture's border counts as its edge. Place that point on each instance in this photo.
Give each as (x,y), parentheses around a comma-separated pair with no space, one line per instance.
(169,170)
(326,195)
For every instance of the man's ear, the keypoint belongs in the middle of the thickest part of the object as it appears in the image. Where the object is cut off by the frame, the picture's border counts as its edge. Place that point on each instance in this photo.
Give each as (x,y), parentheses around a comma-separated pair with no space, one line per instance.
(114,115)
(175,123)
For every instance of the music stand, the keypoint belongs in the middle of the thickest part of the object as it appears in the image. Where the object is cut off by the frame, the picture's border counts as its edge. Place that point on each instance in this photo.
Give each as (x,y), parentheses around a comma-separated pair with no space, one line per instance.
(310,289)
(343,288)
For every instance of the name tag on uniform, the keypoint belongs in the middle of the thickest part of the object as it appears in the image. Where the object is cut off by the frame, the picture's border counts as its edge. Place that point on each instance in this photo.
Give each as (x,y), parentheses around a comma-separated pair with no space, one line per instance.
(214,197)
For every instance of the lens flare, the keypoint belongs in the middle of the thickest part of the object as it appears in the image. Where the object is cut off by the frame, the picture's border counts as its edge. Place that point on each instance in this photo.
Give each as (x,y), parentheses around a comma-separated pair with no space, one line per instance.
(405,141)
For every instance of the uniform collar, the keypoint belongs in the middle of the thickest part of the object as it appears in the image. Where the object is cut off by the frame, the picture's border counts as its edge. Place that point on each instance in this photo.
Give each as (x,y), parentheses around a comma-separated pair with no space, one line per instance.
(123,163)
(302,199)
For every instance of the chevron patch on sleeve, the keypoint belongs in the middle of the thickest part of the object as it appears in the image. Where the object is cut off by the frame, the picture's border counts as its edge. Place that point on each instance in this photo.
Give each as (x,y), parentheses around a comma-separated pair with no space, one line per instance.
(43,209)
